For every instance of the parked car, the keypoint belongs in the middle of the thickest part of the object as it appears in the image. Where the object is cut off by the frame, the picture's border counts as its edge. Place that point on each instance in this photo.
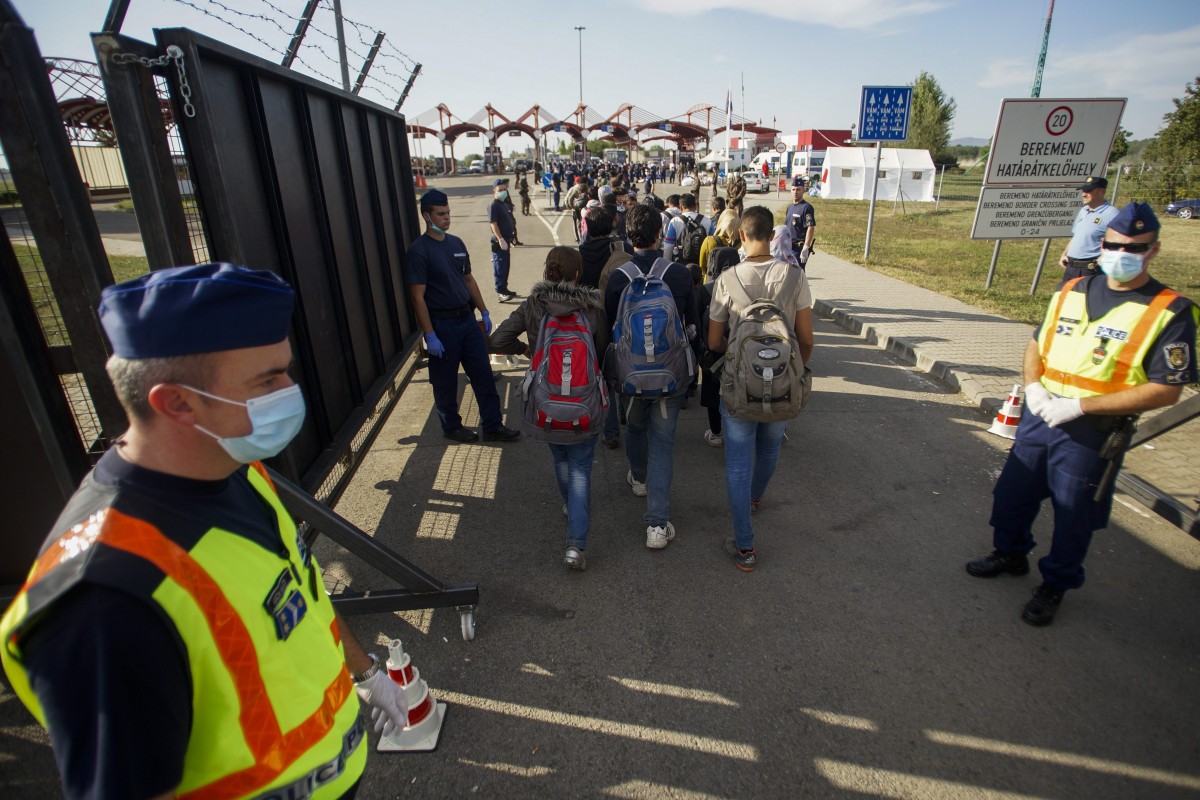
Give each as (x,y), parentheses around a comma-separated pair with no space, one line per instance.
(1184,209)
(477,167)
(755,182)
(522,165)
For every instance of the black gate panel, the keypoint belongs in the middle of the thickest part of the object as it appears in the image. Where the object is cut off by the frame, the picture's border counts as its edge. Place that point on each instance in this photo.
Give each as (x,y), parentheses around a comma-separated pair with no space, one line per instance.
(313,183)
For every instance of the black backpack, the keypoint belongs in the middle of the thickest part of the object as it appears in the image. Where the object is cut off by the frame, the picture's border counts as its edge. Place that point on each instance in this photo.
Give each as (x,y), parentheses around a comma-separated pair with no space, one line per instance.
(692,239)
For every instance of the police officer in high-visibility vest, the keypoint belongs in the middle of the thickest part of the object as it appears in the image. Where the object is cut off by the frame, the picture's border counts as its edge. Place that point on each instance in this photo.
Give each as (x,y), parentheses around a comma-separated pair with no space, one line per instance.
(1110,346)
(174,635)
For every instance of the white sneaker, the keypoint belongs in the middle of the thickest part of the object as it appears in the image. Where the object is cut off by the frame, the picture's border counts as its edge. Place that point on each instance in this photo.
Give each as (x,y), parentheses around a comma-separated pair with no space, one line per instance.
(714,439)
(638,487)
(657,536)
(574,559)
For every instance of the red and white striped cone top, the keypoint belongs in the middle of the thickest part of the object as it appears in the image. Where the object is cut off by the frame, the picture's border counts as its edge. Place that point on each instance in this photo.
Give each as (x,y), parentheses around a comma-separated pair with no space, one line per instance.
(1008,416)
(425,713)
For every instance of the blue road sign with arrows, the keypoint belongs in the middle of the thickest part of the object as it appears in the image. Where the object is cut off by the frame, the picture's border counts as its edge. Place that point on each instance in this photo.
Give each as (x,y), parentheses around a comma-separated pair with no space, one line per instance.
(883,113)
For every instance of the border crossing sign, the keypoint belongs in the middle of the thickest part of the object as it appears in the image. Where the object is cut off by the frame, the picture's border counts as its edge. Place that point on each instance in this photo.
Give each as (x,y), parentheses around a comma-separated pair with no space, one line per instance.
(883,113)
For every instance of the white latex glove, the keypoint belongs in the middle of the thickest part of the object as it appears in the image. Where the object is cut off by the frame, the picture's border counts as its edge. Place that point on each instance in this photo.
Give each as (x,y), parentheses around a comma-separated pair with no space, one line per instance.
(1060,410)
(503,243)
(389,706)
(1036,397)
(805,252)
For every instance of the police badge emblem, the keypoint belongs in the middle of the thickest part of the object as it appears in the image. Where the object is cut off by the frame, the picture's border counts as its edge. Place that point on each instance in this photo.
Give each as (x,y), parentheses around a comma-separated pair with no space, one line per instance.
(1178,354)
(1100,353)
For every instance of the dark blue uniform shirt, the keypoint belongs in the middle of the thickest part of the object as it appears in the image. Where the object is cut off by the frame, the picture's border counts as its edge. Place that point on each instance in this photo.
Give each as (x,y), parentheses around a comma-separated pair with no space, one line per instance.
(441,267)
(499,214)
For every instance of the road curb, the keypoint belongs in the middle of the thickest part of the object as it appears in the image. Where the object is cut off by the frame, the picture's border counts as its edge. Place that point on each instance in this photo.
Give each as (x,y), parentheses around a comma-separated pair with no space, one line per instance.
(980,392)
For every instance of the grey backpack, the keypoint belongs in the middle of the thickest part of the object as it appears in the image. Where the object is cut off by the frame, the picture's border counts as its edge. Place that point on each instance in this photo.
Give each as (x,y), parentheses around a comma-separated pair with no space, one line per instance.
(763,377)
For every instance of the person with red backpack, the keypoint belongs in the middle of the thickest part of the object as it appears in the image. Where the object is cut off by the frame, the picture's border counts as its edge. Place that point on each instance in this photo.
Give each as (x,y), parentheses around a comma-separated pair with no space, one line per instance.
(565,396)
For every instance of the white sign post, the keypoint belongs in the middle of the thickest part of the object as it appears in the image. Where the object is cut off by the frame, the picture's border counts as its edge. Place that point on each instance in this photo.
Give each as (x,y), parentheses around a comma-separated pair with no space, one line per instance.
(1042,149)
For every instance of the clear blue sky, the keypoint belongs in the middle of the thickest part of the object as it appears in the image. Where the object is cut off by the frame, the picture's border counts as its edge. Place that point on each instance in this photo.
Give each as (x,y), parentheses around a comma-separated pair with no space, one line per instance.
(801,65)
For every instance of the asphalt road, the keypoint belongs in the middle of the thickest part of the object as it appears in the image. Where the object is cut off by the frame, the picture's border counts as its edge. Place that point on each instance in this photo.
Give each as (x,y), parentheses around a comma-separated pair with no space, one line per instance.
(859,660)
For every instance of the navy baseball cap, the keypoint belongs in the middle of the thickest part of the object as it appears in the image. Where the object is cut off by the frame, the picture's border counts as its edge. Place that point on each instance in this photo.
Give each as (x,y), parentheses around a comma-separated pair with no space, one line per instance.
(1135,219)
(206,308)
(1094,183)
(434,197)
(499,182)
(799,181)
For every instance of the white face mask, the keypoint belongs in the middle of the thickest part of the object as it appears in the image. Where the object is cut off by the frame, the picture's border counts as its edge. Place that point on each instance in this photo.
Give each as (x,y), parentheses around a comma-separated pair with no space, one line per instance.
(275,419)
(1120,265)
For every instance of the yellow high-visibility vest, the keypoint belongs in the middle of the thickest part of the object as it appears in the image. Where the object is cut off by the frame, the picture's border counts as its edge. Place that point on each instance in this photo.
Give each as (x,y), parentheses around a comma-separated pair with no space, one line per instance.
(273,706)
(1084,357)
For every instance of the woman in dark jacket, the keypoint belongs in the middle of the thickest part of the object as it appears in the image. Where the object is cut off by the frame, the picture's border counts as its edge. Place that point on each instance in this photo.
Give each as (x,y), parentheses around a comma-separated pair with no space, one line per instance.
(558,294)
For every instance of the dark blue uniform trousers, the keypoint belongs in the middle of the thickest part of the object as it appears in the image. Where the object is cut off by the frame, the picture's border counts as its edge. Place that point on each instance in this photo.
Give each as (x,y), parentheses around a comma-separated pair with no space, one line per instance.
(501,259)
(1062,464)
(465,345)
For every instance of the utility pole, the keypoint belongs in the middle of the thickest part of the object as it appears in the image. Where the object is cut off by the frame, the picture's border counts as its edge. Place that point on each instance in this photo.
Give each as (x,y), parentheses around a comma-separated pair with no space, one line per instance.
(581,29)
(1037,92)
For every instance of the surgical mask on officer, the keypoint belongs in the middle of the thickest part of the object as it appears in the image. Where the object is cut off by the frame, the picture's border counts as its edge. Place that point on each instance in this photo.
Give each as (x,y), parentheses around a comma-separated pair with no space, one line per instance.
(502,194)
(275,419)
(1120,265)
(434,227)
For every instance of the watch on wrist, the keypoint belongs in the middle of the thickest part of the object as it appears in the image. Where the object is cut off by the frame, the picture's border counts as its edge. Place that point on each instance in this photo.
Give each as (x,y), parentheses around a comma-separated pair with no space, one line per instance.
(370,671)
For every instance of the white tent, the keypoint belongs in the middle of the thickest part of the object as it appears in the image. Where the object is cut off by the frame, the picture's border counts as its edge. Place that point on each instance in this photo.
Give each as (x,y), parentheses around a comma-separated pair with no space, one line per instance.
(903,174)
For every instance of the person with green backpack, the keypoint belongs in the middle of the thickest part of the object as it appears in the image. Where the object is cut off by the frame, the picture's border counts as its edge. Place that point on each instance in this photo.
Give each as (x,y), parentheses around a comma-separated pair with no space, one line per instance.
(765,380)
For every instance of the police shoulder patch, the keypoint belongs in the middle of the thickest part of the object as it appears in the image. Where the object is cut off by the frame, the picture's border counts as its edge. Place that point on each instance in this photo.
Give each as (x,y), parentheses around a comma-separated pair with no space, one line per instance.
(1178,354)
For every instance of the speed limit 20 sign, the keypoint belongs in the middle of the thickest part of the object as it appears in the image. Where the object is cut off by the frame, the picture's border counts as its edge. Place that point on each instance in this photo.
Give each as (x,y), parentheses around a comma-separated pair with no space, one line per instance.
(1042,142)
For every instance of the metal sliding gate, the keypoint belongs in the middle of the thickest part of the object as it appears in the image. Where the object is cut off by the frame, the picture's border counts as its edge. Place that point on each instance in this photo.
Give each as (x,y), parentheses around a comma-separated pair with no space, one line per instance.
(249,163)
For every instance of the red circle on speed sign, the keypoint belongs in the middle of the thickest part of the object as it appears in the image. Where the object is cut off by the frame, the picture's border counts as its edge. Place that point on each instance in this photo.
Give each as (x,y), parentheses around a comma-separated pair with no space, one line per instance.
(1059,121)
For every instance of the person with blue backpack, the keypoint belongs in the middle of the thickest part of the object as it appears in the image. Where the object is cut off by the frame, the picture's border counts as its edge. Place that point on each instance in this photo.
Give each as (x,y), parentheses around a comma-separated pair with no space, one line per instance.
(565,397)
(649,303)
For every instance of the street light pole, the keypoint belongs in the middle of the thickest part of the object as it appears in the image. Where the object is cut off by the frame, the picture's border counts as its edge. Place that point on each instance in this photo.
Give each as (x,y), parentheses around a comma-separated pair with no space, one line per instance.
(581,30)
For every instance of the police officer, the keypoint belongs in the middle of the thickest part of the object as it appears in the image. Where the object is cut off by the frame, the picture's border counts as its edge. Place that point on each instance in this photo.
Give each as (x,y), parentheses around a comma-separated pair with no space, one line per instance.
(803,221)
(444,297)
(1079,257)
(504,234)
(1110,346)
(174,635)
(512,211)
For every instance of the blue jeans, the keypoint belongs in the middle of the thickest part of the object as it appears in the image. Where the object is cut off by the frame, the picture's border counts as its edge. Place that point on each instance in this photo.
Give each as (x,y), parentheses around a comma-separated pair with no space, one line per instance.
(649,441)
(612,419)
(573,471)
(1062,464)
(751,453)
(464,345)
(501,259)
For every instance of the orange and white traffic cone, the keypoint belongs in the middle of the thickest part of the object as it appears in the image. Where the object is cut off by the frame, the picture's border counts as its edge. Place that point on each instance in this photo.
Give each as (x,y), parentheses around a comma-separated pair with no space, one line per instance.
(425,713)
(421,184)
(1008,416)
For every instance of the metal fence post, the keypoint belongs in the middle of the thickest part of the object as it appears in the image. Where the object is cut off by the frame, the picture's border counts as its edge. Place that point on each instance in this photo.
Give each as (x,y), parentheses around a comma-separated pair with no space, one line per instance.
(57,205)
(137,116)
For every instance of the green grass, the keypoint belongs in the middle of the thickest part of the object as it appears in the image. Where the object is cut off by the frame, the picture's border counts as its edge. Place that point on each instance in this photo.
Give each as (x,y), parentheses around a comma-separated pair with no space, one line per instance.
(933,249)
(123,268)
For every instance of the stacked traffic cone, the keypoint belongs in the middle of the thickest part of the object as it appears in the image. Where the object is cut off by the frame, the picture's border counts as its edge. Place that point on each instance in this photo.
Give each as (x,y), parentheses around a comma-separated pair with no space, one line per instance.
(1008,416)
(421,180)
(425,713)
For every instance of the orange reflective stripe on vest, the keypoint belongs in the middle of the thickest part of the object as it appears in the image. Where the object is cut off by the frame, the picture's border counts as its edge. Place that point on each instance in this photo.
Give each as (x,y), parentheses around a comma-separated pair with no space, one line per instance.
(273,750)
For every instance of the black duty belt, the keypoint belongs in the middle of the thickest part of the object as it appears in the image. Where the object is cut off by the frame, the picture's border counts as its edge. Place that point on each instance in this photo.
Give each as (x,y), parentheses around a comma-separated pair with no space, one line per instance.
(1088,263)
(462,312)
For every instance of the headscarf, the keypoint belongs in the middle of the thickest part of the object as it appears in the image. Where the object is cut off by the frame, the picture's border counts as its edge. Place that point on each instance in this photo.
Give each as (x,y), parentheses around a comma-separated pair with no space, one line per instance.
(781,245)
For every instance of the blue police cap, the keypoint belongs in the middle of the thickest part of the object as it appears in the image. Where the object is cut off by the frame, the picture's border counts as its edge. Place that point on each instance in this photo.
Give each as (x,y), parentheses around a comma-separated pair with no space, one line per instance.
(799,181)
(1135,219)
(204,308)
(433,198)
(499,182)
